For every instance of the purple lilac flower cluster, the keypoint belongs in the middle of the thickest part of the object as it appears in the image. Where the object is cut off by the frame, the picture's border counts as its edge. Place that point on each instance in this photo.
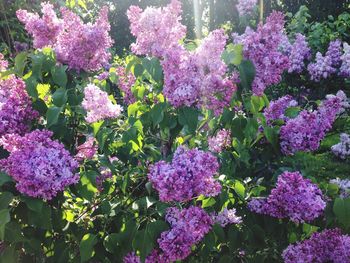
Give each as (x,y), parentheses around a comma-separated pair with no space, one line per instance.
(190,174)
(131,258)
(226,217)
(87,150)
(307,130)
(191,78)
(293,197)
(221,141)
(3,63)
(15,106)
(125,82)
(157,30)
(80,46)
(246,7)
(105,173)
(299,52)
(40,166)
(262,47)
(327,246)
(154,257)
(188,227)
(98,105)
(342,149)
(277,108)
(326,65)
(345,58)
(344,186)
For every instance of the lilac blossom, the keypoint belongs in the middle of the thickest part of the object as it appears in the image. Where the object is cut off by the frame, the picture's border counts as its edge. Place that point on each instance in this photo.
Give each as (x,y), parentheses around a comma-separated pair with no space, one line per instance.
(327,246)
(220,141)
(87,150)
(293,197)
(125,81)
(16,110)
(327,65)
(300,51)
(277,109)
(226,217)
(188,227)
(342,149)
(262,47)
(246,7)
(3,63)
(41,167)
(307,130)
(157,30)
(190,174)
(98,105)
(345,58)
(344,186)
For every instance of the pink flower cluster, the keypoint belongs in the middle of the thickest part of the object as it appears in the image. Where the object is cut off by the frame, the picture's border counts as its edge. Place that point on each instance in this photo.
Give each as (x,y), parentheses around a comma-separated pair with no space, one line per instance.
(226,217)
(246,7)
(98,105)
(221,141)
(157,30)
(262,47)
(277,109)
(299,53)
(191,78)
(16,110)
(342,149)
(199,77)
(188,227)
(3,63)
(40,166)
(87,150)
(327,246)
(326,65)
(190,174)
(307,130)
(294,197)
(80,46)
(125,82)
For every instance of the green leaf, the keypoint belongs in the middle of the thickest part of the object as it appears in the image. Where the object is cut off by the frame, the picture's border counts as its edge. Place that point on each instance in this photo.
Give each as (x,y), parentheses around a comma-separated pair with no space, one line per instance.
(5,199)
(59,76)
(208,202)
(143,243)
(341,209)
(4,178)
(271,134)
(138,70)
(4,219)
(239,189)
(20,63)
(157,113)
(86,247)
(292,112)
(31,84)
(189,117)
(59,98)
(233,54)
(154,68)
(246,74)
(52,115)
(33,204)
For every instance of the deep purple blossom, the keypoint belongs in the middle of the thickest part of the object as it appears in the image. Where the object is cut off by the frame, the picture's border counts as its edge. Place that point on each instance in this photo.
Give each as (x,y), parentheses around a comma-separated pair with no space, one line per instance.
(345,58)
(190,174)
(188,227)
(131,258)
(327,246)
(307,130)
(293,197)
(16,110)
(277,108)
(41,167)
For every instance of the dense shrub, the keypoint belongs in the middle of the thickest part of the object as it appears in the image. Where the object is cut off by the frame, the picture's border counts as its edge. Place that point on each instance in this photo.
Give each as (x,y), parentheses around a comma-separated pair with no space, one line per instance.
(229,148)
